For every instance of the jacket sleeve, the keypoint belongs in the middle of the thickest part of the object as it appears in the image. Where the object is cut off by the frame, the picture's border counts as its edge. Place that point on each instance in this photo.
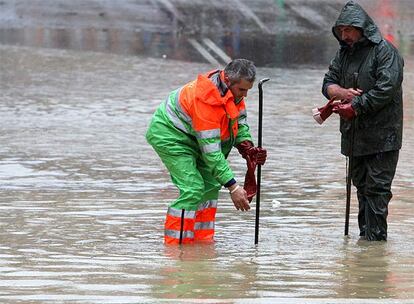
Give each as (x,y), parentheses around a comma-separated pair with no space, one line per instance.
(207,133)
(214,159)
(333,74)
(389,76)
(243,133)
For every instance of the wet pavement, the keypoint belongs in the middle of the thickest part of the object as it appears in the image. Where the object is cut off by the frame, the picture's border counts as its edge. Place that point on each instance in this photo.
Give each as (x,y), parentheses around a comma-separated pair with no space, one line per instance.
(83,197)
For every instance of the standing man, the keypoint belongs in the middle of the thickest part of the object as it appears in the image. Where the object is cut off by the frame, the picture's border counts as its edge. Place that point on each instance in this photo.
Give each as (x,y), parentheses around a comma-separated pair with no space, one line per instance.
(374,108)
(193,132)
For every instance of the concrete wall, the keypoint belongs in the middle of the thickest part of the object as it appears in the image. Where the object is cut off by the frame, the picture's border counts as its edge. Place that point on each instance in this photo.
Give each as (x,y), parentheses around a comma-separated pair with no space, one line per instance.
(271,32)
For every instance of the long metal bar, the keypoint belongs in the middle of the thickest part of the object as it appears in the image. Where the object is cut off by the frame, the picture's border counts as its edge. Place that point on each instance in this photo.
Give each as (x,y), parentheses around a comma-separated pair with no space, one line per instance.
(350,164)
(259,167)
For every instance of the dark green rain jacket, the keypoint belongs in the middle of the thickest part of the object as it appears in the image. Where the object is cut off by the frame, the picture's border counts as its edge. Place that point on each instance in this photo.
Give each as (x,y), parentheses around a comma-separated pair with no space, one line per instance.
(378,124)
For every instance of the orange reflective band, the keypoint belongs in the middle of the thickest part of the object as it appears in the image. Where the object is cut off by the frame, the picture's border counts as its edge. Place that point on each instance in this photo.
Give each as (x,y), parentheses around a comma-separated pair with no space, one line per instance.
(204,235)
(168,240)
(179,223)
(206,215)
(174,223)
(204,222)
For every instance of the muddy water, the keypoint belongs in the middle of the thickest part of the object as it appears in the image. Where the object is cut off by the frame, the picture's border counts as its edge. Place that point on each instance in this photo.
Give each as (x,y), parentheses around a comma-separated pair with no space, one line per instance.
(83,197)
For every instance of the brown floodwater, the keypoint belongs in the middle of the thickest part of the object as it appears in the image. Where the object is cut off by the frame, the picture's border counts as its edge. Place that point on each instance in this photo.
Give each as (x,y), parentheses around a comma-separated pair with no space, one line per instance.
(83,196)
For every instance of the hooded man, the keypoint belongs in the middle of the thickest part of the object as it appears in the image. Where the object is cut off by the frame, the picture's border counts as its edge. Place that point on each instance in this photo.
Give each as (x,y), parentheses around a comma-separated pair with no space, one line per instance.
(193,132)
(372,107)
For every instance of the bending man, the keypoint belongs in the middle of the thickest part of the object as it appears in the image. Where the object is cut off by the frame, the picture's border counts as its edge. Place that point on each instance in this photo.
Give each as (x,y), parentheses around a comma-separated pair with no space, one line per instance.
(193,132)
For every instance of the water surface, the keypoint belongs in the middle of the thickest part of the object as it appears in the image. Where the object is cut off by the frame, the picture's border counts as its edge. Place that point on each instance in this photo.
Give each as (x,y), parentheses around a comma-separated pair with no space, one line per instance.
(83,197)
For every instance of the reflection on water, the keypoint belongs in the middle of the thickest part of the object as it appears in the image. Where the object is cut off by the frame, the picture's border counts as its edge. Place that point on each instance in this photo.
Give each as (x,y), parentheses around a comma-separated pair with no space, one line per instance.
(377,275)
(83,197)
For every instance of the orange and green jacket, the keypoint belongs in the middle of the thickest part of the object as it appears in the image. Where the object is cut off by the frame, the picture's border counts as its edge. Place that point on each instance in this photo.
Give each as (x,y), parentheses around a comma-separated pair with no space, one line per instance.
(205,109)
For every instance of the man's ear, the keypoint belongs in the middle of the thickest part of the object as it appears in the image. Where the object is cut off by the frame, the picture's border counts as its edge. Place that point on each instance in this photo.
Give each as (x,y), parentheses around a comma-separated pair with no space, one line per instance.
(227,80)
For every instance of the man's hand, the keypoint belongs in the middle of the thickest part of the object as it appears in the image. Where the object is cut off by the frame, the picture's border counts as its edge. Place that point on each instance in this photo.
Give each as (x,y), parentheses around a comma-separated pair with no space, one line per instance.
(349,94)
(239,197)
(346,95)
(345,110)
(321,114)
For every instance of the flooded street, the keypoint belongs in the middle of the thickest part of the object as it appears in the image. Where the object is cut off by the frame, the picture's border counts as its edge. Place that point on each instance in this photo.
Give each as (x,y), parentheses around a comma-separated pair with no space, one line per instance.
(83,196)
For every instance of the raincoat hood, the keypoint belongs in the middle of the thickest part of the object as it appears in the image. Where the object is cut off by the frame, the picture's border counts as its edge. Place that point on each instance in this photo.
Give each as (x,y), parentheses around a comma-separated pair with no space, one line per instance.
(208,93)
(354,15)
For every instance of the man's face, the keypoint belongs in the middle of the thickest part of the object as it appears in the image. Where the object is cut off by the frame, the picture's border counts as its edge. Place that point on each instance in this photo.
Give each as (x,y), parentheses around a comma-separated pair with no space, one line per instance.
(349,34)
(240,89)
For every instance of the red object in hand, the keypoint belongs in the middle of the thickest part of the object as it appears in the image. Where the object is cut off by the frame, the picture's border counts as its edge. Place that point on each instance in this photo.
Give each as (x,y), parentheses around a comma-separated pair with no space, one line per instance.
(257,155)
(322,114)
(345,110)
(254,156)
(244,147)
(250,179)
(261,155)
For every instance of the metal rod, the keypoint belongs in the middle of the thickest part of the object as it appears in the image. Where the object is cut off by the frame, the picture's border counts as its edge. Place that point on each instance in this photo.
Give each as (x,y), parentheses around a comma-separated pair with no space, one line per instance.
(259,167)
(182,226)
(350,164)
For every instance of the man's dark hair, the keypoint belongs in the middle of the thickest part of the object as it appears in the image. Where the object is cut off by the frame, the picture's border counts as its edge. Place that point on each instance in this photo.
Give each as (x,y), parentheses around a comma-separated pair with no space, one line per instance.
(239,69)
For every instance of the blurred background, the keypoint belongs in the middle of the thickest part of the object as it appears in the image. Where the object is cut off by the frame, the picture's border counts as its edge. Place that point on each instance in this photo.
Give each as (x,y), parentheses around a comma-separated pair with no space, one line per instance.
(270,32)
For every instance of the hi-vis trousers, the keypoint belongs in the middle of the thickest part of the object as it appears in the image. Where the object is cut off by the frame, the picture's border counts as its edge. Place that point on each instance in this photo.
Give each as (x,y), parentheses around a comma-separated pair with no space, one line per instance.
(191,216)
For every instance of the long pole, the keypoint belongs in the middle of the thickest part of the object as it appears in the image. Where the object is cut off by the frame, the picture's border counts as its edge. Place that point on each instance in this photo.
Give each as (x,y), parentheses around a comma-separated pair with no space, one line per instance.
(259,167)
(350,164)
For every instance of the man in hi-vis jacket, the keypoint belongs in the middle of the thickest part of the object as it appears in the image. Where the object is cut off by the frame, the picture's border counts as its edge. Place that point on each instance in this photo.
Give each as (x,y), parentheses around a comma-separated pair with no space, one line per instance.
(193,132)
(372,107)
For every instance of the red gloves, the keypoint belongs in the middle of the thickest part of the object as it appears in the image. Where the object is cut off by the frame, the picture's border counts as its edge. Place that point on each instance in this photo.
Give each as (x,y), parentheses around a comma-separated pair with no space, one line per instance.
(254,156)
(250,180)
(345,110)
(322,114)
(261,156)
